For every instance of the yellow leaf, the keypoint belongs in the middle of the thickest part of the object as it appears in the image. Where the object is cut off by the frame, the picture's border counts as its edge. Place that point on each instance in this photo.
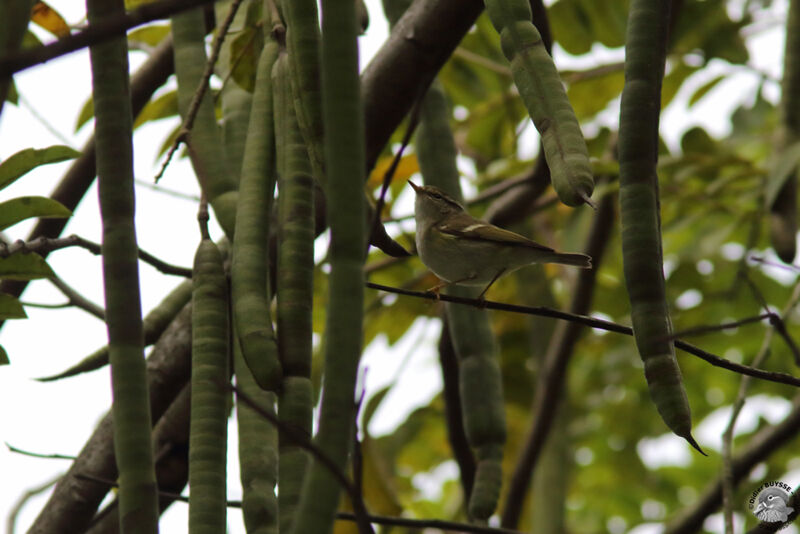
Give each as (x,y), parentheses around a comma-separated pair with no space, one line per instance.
(49,19)
(133,4)
(407,167)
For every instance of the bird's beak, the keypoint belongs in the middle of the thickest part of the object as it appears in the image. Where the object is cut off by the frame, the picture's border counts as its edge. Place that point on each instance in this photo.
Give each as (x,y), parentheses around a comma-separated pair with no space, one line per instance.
(417,188)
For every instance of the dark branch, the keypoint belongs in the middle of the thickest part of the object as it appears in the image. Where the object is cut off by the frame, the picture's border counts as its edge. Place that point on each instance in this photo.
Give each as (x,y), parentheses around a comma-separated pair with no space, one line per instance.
(600,324)
(94,34)
(45,245)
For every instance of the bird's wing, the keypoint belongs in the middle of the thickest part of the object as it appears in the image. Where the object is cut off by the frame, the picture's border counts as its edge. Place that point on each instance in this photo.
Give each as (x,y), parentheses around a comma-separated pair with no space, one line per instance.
(467,227)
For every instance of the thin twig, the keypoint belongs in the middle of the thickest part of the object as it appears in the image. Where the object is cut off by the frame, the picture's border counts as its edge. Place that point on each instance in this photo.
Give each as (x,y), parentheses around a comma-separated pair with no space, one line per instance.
(295,437)
(202,87)
(23,452)
(11,521)
(413,120)
(165,191)
(780,378)
(727,478)
(775,320)
(45,245)
(94,34)
(722,326)
(78,300)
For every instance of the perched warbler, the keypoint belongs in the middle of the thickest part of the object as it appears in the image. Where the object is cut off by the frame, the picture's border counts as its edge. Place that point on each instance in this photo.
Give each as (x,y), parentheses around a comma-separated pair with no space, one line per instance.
(461,249)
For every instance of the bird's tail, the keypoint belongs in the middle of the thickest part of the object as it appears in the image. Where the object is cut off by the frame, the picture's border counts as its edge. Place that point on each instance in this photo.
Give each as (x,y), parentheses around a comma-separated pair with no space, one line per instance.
(577,260)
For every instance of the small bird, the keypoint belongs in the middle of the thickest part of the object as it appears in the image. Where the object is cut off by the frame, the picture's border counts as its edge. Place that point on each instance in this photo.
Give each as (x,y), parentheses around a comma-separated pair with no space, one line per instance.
(461,249)
(772,506)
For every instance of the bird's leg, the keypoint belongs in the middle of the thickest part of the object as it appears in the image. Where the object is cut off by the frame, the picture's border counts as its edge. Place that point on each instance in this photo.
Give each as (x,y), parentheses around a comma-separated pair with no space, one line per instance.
(499,273)
(435,289)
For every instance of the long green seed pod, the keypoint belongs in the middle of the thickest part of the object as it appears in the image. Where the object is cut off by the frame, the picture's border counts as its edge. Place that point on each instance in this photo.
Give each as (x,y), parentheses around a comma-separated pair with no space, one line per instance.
(258,453)
(205,141)
(296,255)
(209,414)
(249,268)
(540,87)
(302,40)
(783,208)
(295,408)
(479,373)
(153,325)
(131,409)
(344,157)
(639,211)
(295,290)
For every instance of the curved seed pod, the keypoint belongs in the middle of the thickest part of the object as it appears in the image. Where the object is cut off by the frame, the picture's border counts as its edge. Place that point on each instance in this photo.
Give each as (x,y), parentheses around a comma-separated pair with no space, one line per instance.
(138,504)
(480,382)
(209,411)
(258,453)
(344,163)
(541,90)
(204,141)
(249,267)
(783,208)
(295,411)
(639,211)
(481,389)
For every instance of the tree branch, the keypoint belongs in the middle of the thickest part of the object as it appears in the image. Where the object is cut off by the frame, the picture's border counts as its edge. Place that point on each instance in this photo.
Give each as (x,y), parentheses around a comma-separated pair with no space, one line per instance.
(94,34)
(45,245)
(780,378)
(550,382)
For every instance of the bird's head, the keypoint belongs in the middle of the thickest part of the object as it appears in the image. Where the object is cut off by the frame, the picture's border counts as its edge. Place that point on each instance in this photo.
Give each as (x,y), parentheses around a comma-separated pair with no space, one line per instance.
(432,202)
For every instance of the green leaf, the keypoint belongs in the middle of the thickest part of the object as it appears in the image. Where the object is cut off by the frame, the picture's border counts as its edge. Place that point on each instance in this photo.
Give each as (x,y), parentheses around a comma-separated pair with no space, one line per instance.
(571,27)
(11,308)
(149,35)
(24,266)
(86,113)
(13,95)
(244,58)
(30,158)
(705,88)
(162,107)
(4,356)
(591,95)
(674,80)
(21,208)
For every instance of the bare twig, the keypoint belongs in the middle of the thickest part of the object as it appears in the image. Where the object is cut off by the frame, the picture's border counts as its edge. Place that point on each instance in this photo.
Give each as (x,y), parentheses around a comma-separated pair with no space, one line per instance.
(552,375)
(727,478)
(46,245)
(23,452)
(413,120)
(722,326)
(780,378)
(78,300)
(94,34)
(301,440)
(775,320)
(13,513)
(202,87)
